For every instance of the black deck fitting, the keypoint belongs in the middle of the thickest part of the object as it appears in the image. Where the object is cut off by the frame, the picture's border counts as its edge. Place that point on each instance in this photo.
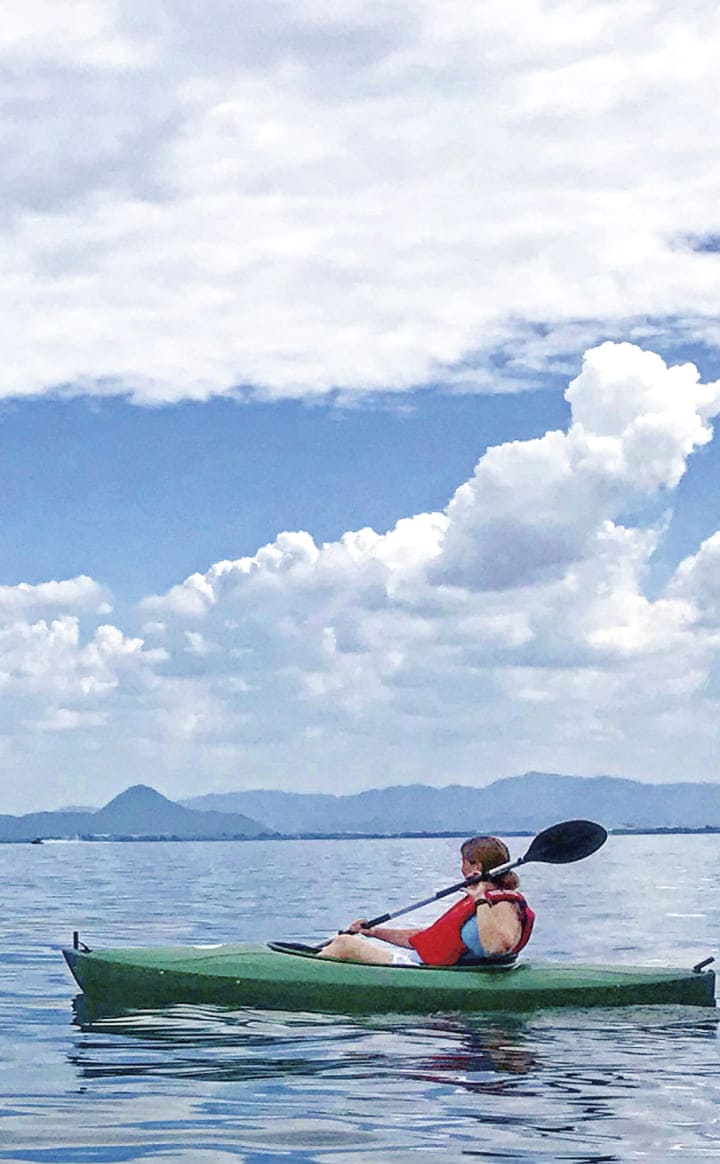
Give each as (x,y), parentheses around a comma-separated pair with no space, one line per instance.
(700,966)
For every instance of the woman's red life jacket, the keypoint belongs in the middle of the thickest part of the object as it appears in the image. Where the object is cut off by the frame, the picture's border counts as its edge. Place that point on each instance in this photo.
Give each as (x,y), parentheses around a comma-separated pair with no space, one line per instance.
(441,944)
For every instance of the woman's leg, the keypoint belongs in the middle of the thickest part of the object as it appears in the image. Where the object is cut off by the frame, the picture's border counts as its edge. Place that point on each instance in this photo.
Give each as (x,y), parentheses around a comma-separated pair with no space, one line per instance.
(353,948)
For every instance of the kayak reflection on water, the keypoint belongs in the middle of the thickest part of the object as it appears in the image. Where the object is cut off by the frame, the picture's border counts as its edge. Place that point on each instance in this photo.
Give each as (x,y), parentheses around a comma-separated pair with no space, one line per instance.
(492,920)
(226,1044)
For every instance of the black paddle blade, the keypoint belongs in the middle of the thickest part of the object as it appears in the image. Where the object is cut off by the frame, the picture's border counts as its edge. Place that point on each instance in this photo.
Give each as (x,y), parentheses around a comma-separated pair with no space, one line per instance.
(570,841)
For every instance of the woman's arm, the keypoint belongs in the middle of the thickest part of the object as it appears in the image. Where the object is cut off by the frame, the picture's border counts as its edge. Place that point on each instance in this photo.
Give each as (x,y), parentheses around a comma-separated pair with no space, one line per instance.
(395,937)
(499,927)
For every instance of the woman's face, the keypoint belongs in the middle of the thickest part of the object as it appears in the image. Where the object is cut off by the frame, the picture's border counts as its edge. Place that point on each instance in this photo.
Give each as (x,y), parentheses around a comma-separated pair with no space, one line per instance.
(469,868)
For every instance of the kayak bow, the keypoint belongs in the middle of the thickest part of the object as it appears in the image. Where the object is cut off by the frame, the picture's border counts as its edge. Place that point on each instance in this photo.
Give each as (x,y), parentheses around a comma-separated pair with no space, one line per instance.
(297,979)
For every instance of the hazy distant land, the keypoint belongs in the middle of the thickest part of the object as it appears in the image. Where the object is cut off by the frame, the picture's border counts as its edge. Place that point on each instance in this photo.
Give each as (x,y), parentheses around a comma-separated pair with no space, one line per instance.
(518,804)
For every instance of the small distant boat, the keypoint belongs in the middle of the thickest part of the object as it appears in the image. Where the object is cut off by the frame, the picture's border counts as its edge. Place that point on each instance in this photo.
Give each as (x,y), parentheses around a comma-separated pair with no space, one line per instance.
(36,841)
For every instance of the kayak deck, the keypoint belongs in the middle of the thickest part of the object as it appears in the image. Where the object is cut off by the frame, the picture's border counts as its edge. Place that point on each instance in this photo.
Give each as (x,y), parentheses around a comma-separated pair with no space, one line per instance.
(259,976)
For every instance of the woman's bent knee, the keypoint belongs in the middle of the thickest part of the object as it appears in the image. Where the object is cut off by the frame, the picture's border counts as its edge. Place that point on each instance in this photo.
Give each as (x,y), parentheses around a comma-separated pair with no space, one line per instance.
(344,947)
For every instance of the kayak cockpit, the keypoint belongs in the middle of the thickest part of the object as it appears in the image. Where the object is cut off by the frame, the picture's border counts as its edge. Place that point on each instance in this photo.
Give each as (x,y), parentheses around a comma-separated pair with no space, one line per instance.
(499,962)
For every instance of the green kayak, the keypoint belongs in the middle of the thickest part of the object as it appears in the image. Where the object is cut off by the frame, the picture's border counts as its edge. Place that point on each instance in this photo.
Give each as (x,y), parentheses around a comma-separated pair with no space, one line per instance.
(287,977)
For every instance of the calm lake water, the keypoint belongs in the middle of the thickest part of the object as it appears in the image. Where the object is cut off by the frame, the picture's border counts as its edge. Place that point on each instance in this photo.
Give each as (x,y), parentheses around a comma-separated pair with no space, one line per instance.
(207,1085)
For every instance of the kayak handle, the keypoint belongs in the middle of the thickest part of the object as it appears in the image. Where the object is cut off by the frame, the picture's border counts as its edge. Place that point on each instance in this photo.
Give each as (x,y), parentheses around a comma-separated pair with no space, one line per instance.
(700,966)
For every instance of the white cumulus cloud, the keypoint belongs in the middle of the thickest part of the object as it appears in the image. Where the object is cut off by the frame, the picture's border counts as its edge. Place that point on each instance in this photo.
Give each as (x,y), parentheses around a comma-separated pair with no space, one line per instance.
(513,630)
(293,199)
(534,507)
(80,594)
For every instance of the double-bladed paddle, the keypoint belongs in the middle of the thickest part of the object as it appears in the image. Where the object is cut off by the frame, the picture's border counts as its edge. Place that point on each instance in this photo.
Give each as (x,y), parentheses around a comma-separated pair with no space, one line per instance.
(557,845)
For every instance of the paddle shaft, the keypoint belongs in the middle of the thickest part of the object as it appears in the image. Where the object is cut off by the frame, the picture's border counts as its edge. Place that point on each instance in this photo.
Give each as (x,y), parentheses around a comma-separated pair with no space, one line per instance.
(378,921)
(571,840)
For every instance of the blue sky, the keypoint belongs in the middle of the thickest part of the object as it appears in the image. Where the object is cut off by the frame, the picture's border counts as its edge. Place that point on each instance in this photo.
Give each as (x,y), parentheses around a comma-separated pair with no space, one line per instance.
(140,498)
(359,370)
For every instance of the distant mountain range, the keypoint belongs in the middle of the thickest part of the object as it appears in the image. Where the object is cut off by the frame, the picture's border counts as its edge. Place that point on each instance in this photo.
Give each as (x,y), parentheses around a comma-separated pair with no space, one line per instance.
(138,812)
(516,804)
(526,803)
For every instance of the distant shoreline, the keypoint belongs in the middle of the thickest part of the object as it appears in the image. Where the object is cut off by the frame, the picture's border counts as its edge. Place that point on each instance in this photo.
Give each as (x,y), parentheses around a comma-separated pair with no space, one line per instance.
(664,830)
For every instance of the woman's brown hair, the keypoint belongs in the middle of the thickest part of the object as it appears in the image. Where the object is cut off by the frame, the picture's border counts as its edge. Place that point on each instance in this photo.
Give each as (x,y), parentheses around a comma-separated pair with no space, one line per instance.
(489,852)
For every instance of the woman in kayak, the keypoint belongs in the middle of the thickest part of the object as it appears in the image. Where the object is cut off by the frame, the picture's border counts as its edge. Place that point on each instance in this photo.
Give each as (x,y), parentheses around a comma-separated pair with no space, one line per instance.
(491,920)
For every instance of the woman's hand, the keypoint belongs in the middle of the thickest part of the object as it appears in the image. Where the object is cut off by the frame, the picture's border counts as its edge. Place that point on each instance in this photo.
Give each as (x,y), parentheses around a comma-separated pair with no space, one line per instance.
(477,891)
(358,927)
